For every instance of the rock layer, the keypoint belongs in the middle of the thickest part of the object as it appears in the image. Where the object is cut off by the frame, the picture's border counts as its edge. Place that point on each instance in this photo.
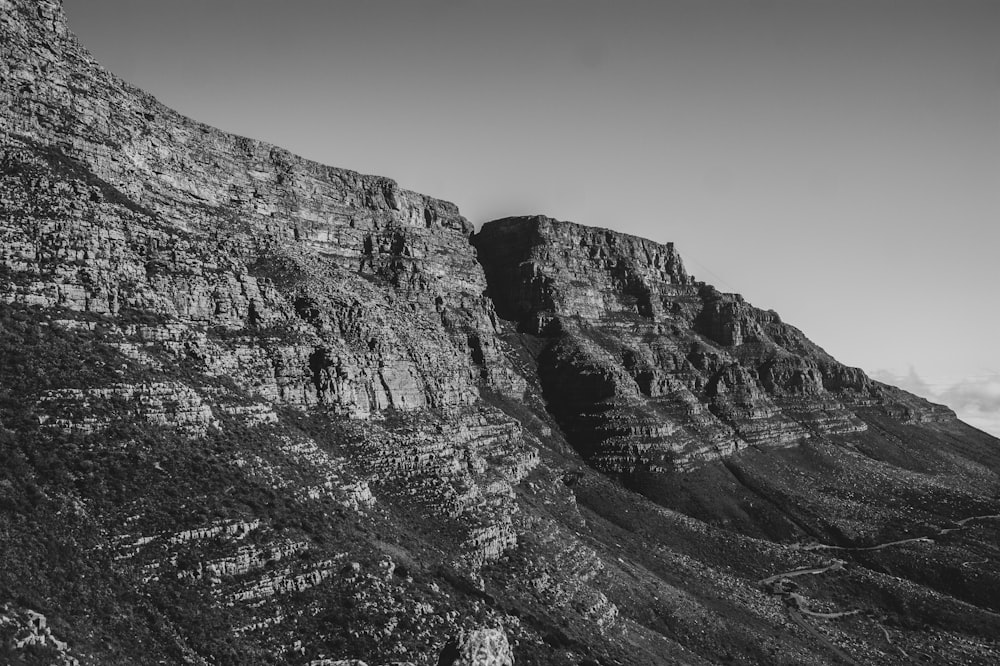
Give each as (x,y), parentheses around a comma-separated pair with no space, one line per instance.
(649,370)
(134,208)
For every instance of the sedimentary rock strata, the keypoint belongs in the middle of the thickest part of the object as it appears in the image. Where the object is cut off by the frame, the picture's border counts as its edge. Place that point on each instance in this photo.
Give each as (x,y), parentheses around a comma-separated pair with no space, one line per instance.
(254,409)
(646,368)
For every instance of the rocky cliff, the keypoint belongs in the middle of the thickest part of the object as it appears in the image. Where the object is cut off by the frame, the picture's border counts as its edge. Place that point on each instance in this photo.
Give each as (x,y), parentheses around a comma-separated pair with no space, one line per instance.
(254,409)
(647,369)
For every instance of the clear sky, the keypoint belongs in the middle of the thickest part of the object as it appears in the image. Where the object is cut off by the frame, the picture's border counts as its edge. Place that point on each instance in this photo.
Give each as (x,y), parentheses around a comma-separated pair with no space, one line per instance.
(837,161)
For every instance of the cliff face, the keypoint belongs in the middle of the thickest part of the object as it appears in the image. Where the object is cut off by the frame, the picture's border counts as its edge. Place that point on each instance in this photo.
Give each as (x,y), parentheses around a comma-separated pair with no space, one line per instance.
(647,369)
(184,221)
(254,409)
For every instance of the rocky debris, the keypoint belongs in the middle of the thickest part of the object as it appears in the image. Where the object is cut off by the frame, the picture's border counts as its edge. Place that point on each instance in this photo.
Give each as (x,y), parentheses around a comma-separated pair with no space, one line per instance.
(285,581)
(246,559)
(251,414)
(479,647)
(128,545)
(235,528)
(25,628)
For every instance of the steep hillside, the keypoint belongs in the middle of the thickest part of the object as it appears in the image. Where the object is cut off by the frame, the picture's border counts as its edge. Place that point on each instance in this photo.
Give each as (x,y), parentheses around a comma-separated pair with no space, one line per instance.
(254,409)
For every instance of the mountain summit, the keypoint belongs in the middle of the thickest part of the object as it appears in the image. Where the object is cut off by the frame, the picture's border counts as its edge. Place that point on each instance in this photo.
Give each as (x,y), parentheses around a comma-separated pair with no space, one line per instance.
(254,409)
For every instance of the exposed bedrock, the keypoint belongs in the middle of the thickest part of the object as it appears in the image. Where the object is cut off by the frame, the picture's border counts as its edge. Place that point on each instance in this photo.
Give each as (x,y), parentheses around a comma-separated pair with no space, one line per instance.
(647,369)
(367,294)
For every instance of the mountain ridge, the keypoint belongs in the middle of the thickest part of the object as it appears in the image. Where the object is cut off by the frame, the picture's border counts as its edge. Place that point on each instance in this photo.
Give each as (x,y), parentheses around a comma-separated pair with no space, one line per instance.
(260,410)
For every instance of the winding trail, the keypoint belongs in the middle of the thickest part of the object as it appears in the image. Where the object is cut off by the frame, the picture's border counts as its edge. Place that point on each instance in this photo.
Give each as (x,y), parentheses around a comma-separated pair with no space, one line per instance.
(799,602)
(964,521)
(833,565)
(887,544)
(797,608)
(960,525)
(888,639)
(780,584)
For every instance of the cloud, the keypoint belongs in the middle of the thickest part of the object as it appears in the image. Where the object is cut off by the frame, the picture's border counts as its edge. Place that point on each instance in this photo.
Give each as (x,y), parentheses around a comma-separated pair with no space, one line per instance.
(976,400)
(976,394)
(911,382)
(986,422)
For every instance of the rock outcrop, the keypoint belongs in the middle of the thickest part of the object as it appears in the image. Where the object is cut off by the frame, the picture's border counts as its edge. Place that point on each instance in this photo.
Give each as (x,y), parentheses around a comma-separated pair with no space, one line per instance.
(647,369)
(481,647)
(29,631)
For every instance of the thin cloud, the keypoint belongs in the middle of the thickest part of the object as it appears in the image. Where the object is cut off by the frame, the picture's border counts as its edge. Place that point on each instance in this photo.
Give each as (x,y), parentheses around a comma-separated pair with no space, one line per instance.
(986,422)
(981,394)
(911,382)
(976,400)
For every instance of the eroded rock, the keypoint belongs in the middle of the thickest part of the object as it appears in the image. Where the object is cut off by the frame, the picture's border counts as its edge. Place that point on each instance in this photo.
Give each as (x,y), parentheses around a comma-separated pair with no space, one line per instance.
(479,647)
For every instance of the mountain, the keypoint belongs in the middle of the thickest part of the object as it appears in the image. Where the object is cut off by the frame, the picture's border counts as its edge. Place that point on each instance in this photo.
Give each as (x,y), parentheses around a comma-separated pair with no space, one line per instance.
(254,409)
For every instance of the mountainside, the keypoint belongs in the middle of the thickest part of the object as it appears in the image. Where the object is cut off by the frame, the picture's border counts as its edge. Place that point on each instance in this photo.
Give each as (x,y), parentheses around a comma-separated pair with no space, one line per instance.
(254,409)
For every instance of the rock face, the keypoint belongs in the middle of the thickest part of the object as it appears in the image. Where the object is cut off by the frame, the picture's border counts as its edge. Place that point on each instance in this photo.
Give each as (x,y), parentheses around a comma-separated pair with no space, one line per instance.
(647,369)
(257,410)
(482,647)
(136,209)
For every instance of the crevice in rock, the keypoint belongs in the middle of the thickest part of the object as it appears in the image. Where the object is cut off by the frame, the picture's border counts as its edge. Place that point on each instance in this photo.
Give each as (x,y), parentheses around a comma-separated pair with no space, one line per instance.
(319,361)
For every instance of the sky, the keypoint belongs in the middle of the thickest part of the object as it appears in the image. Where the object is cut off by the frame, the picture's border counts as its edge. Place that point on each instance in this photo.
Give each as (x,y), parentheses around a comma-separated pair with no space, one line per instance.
(836,161)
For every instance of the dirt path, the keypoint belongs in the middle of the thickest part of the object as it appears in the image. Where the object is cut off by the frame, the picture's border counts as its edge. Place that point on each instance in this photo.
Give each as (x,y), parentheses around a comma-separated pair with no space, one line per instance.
(781,586)
(960,525)
(833,565)
(799,602)
(964,521)
(888,639)
(887,544)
